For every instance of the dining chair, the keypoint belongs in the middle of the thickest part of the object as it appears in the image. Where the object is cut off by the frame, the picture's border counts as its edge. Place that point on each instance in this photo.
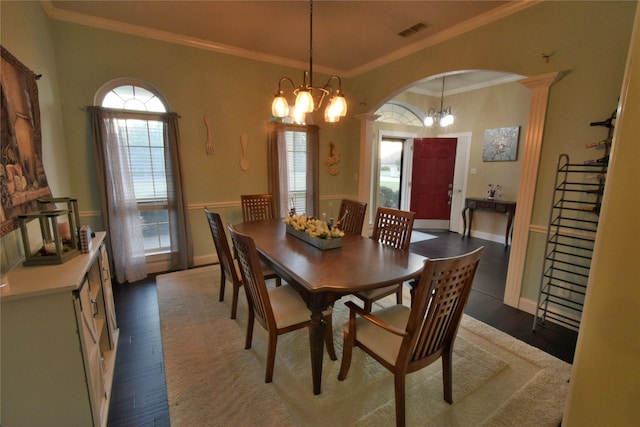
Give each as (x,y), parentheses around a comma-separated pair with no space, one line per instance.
(404,339)
(279,310)
(392,227)
(351,216)
(257,206)
(229,269)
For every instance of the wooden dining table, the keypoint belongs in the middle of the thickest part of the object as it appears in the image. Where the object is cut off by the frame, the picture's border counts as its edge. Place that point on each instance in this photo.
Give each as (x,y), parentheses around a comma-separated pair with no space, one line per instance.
(323,276)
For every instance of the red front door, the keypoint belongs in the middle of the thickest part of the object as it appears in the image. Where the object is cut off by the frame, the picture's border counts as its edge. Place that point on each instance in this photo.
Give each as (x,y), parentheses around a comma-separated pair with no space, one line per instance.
(434,162)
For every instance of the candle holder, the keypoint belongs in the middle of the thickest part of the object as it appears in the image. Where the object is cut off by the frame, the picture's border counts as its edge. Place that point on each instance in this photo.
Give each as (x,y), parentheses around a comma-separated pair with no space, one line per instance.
(59,243)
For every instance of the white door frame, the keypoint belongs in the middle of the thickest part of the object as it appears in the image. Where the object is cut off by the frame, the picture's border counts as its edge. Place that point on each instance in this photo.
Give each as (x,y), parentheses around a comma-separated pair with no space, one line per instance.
(407,164)
(460,178)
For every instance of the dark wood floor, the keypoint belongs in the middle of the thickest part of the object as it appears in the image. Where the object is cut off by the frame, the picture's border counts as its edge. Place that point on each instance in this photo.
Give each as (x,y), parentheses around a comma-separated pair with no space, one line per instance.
(139,396)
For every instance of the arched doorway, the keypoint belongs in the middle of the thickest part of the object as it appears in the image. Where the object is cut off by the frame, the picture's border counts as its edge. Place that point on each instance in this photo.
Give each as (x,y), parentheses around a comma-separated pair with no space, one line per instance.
(538,87)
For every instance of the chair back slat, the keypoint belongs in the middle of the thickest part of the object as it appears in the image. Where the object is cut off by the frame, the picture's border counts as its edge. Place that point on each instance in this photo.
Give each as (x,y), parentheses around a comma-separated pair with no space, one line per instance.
(352,215)
(253,278)
(222,245)
(438,304)
(393,228)
(257,206)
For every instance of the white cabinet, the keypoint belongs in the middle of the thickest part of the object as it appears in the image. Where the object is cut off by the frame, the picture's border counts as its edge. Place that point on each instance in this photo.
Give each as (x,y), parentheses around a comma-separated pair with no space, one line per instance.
(58,342)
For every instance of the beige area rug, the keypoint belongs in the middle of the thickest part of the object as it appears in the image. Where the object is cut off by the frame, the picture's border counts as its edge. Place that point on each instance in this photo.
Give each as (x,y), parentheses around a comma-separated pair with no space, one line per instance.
(213,381)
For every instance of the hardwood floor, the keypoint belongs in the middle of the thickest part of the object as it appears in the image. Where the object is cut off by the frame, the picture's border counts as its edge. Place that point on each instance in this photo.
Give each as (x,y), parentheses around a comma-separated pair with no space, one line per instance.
(139,396)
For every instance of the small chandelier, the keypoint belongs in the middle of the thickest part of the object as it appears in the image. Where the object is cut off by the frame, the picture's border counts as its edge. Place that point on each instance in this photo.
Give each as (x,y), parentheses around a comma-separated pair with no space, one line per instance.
(443,117)
(308,97)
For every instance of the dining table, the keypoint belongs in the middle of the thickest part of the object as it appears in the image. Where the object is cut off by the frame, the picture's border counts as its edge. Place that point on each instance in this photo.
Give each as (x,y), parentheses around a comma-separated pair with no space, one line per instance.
(321,277)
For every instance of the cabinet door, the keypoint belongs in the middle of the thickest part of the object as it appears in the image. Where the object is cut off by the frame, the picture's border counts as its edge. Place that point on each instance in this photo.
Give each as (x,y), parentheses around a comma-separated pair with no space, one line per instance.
(110,310)
(90,340)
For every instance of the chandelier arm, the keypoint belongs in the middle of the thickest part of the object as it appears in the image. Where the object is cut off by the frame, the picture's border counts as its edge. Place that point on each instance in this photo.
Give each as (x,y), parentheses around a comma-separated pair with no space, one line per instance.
(310,43)
(285,79)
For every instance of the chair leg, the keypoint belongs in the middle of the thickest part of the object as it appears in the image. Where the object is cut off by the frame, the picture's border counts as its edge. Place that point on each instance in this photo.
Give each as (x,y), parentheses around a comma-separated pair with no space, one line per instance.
(278,281)
(399,294)
(347,350)
(368,305)
(234,301)
(271,356)
(223,281)
(249,337)
(399,380)
(447,375)
(328,338)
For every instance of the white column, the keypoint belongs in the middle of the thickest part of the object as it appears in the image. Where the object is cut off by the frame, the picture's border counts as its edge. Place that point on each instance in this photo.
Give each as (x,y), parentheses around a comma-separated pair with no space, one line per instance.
(539,87)
(365,173)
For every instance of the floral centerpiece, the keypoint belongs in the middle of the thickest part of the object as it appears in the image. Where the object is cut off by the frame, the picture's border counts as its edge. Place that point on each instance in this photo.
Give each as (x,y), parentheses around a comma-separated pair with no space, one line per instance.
(314,231)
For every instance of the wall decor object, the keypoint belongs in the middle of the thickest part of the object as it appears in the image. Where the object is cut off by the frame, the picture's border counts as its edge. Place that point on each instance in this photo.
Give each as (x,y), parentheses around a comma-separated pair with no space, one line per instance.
(210,146)
(22,177)
(244,162)
(501,144)
(332,160)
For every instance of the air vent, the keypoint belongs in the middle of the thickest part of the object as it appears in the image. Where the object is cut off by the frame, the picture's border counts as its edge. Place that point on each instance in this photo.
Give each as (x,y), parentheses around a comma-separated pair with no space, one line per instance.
(413,29)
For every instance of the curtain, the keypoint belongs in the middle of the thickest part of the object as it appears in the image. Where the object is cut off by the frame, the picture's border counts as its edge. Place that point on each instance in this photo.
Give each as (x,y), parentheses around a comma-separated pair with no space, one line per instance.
(277,166)
(120,215)
(181,255)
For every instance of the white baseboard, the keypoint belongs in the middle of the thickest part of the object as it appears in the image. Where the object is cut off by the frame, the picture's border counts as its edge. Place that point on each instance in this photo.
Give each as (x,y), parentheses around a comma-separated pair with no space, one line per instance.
(487,236)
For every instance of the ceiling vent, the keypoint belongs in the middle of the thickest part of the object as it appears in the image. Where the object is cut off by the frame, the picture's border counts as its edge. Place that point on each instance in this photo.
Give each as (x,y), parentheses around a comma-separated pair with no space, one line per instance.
(413,29)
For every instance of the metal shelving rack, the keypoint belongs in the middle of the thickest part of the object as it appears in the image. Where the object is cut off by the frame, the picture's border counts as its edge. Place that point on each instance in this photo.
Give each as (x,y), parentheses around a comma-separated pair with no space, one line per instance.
(573,222)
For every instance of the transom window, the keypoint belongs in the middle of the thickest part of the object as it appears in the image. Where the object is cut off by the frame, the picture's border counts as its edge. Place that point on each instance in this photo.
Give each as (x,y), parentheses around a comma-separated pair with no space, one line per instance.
(393,112)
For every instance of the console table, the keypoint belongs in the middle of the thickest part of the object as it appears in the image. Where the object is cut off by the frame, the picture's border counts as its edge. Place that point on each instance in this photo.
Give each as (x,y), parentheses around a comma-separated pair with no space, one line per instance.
(499,206)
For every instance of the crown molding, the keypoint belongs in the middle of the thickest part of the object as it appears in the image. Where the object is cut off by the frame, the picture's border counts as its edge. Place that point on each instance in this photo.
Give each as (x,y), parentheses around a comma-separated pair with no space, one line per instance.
(136,30)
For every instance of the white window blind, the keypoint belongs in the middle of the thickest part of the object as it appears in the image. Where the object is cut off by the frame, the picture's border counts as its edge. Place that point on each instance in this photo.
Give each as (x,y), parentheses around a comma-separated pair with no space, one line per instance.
(296,143)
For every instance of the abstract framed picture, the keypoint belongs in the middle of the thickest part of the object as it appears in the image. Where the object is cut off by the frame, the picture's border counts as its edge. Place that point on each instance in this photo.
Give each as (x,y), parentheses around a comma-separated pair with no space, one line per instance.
(22,177)
(501,144)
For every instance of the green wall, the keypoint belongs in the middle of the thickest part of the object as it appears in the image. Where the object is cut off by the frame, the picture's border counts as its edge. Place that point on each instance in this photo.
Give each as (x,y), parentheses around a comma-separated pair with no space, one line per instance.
(589,41)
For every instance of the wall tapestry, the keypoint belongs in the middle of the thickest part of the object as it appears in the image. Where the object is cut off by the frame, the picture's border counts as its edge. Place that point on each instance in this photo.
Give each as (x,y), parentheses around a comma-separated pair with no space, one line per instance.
(22,176)
(500,144)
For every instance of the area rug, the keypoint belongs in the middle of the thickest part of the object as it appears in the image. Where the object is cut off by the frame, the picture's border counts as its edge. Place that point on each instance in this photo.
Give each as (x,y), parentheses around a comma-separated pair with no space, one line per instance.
(420,236)
(213,381)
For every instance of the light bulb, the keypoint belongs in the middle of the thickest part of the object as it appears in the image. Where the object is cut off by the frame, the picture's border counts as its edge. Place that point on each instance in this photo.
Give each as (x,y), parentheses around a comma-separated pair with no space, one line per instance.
(280,106)
(338,104)
(428,121)
(446,120)
(304,100)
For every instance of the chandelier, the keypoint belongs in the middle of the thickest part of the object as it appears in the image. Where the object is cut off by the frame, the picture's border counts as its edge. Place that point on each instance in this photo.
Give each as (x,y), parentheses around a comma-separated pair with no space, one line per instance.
(309,98)
(443,117)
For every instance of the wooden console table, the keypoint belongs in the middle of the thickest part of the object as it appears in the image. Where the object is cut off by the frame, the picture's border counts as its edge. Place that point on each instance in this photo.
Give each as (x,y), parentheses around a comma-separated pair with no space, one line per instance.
(500,206)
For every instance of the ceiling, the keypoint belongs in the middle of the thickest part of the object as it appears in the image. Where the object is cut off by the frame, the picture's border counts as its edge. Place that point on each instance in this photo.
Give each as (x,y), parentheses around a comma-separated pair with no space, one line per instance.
(349,37)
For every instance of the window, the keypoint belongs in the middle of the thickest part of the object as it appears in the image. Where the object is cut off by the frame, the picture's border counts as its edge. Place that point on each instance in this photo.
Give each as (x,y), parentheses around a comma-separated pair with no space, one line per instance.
(296,146)
(144,139)
(293,167)
(400,113)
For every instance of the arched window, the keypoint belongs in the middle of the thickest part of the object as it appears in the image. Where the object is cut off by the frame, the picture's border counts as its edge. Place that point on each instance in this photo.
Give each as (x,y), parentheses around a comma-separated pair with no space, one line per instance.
(400,113)
(136,141)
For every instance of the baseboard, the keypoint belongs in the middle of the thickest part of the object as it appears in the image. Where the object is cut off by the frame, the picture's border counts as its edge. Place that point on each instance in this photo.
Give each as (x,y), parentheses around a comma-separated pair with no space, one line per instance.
(487,236)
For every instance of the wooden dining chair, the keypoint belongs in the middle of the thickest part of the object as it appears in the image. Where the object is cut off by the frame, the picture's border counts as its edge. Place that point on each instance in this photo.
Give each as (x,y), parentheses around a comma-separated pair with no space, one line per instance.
(229,269)
(279,310)
(257,206)
(405,339)
(351,216)
(392,227)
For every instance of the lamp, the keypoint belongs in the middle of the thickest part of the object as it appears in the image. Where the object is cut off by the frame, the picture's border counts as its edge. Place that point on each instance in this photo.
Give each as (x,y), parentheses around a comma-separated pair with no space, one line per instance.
(309,98)
(443,117)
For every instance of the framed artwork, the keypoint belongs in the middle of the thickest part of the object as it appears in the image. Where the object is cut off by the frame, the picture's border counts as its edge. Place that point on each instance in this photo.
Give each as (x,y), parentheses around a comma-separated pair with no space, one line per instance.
(501,144)
(22,177)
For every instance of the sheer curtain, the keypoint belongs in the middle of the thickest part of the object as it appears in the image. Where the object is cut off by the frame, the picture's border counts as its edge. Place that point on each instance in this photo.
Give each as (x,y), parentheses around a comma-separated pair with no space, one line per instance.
(120,213)
(119,207)
(277,166)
